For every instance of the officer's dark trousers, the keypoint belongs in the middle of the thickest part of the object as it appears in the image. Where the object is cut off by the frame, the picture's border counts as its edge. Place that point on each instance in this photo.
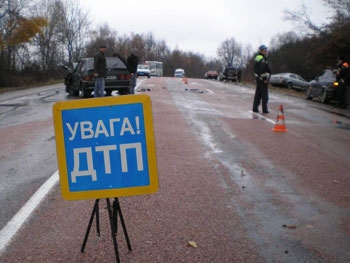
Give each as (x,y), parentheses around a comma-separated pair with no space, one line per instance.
(342,95)
(261,94)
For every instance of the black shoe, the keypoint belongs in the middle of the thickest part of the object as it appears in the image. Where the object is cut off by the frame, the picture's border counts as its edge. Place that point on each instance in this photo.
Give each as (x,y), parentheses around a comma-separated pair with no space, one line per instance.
(266,112)
(256,111)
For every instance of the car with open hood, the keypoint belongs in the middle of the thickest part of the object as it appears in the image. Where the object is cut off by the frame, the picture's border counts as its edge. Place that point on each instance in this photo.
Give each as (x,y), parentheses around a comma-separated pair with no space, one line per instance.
(323,87)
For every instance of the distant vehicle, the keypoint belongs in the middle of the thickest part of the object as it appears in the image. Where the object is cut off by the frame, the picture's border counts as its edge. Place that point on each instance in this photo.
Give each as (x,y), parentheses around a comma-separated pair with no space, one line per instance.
(211,74)
(324,87)
(156,68)
(289,80)
(179,73)
(81,78)
(143,70)
(229,74)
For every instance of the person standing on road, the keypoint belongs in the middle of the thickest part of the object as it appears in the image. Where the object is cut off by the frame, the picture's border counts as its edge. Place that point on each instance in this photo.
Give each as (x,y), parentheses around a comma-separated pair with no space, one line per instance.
(131,63)
(343,79)
(262,76)
(100,71)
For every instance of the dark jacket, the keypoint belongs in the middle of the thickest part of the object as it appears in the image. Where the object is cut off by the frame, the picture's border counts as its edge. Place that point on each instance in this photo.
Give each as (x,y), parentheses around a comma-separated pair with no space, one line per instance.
(100,64)
(344,73)
(132,63)
(261,67)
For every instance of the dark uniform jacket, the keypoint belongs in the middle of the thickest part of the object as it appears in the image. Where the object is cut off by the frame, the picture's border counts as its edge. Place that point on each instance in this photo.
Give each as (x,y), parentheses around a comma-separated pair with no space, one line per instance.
(261,67)
(100,64)
(132,63)
(344,73)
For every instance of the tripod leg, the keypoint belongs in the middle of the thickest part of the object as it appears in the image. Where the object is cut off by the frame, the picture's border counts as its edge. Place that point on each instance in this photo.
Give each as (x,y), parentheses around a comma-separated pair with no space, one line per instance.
(113,230)
(93,213)
(115,216)
(97,221)
(118,208)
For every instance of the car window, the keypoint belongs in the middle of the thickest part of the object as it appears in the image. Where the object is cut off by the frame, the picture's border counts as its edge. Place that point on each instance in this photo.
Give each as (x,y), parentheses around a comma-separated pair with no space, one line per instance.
(113,62)
(83,67)
(89,63)
(301,78)
(143,67)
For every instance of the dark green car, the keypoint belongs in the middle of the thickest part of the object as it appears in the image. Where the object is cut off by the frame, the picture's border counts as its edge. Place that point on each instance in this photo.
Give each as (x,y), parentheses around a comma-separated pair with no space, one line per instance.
(81,78)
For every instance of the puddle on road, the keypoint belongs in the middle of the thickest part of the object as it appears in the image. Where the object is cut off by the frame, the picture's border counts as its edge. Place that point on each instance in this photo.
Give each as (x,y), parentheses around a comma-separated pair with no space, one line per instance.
(196,90)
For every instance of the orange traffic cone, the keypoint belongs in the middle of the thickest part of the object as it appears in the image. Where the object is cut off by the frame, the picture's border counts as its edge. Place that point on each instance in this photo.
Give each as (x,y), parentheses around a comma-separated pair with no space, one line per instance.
(280,125)
(185,80)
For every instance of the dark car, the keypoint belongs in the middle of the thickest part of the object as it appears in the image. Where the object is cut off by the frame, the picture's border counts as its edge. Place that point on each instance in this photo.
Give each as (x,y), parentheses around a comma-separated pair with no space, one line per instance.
(289,80)
(229,74)
(323,87)
(81,78)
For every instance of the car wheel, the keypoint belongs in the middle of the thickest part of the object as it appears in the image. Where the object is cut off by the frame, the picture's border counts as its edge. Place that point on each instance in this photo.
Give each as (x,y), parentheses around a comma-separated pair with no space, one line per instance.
(123,91)
(324,97)
(84,92)
(73,92)
(290,85)
(307,94)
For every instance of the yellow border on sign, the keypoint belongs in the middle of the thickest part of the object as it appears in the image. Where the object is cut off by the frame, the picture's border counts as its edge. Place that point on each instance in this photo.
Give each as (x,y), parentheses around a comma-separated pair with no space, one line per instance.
(145,100)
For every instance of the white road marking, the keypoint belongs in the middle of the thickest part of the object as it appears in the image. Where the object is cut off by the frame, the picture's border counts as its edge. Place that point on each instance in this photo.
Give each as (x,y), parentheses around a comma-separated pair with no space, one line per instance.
(263,117)
(11,228)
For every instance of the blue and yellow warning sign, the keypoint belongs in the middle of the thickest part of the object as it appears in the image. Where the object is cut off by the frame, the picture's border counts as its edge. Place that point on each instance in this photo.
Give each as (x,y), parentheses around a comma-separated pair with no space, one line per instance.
(105,147)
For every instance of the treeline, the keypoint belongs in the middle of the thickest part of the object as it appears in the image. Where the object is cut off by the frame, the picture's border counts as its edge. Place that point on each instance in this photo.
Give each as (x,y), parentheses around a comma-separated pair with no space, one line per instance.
(310,54)
(36,37)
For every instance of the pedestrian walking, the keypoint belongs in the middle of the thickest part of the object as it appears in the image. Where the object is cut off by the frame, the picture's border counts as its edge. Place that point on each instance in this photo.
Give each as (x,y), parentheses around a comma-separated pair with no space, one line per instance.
(131,63)
(100,71)
(343,79)
(262,76)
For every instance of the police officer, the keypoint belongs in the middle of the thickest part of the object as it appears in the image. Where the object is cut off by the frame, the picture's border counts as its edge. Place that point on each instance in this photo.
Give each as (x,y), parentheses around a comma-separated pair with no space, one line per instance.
(343,78)
(262,76)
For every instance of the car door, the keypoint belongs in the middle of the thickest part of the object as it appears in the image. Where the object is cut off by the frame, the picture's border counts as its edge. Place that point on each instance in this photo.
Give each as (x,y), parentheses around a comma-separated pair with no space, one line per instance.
(78,74)
(294,80)
(302,82)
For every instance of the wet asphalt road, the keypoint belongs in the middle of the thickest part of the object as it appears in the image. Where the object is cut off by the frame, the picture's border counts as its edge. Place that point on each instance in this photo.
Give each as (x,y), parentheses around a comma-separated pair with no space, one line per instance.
(243,192)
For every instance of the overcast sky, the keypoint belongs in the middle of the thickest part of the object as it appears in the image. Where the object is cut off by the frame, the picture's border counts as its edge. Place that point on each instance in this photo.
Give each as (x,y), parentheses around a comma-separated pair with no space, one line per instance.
(201,25)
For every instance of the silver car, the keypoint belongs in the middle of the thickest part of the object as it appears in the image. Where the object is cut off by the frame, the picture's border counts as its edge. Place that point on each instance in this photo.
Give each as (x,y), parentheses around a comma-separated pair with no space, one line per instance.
(289,80)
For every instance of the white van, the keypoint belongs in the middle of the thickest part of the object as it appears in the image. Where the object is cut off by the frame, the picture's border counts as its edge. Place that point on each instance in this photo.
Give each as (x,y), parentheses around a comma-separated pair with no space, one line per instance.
(179,73)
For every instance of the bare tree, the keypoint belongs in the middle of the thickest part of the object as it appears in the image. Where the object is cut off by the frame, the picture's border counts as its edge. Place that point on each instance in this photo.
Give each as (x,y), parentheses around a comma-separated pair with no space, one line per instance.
(150,46)
(50,41)
(229,51)
(103,35)
(301,18)
(75,29)
(341,7)
(12,21)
